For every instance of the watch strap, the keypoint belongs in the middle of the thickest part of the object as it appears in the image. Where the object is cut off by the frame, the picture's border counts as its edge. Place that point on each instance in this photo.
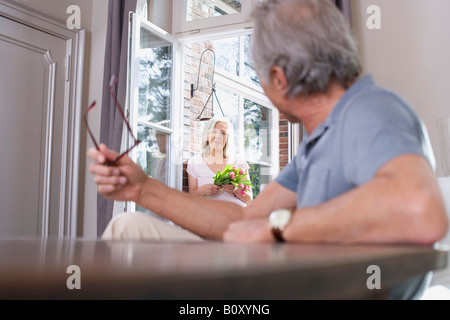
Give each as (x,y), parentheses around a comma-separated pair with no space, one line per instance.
(277,233)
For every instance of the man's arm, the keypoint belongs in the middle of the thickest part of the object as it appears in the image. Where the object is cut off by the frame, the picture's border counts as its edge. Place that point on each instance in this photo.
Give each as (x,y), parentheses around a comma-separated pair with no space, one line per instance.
(274,196)
(205,217)
(402,204)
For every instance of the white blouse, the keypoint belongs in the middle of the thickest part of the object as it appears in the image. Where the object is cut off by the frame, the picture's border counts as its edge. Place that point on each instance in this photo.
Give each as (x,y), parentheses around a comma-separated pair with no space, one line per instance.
(198,168)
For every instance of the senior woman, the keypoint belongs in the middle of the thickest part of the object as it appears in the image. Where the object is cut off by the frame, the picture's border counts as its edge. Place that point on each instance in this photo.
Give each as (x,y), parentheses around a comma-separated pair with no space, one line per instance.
(217,153)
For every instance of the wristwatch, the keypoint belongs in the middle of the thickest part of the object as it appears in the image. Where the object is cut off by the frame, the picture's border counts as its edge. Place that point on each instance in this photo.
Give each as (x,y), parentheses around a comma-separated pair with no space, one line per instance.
(278,221)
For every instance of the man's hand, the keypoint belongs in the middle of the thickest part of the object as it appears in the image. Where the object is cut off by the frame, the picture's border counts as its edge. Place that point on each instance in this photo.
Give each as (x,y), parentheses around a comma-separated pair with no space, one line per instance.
(123,181)
(254,230)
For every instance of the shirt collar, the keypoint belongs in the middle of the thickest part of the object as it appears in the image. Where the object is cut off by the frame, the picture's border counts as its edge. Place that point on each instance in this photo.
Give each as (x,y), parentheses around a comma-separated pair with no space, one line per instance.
(355,87)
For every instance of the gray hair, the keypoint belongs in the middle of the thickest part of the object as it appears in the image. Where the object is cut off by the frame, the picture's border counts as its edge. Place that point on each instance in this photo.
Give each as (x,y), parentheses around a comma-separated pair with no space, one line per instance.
(310,40)
(228,149)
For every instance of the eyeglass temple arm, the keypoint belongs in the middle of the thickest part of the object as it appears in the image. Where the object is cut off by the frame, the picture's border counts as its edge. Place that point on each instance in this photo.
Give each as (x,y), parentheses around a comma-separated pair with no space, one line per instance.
(87,125)
(111,84)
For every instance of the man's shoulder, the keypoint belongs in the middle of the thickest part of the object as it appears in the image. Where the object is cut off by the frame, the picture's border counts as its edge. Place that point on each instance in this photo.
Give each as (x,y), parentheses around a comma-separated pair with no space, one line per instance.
(376,102)
(368,94)
(377,111)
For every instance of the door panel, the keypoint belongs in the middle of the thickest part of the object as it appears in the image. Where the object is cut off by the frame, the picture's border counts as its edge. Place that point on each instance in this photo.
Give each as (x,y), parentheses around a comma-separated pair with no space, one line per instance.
(32,117)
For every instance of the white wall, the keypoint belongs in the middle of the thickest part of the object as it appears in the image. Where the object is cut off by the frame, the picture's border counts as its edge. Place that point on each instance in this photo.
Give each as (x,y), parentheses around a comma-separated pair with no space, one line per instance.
(88,194)
(410,55)
(160,13)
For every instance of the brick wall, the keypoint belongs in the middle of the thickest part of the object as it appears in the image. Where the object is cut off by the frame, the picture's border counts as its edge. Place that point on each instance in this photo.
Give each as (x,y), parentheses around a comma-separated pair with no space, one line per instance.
(192,133)
(194,105)
(284,141)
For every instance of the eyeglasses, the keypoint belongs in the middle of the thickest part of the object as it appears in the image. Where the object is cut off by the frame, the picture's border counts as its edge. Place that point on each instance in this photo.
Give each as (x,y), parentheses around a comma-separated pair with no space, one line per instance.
(119,107)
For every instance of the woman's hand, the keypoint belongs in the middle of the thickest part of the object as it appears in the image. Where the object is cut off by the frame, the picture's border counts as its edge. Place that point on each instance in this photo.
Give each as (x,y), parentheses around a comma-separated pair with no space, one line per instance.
(208,190)
(123,181)
(229,188)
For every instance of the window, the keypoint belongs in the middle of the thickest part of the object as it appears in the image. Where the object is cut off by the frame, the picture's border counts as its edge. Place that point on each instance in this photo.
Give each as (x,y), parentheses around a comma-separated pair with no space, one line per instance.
(260,143)
(152,96)
(200,9)
(206,16)
(233,58)
(163,113)
(239,95)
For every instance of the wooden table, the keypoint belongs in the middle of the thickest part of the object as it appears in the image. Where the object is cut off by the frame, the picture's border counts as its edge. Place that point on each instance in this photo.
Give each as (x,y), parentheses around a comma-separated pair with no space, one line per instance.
(38,269)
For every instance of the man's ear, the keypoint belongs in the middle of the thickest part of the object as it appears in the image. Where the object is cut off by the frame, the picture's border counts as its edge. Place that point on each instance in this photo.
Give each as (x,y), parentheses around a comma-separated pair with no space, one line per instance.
(278,79)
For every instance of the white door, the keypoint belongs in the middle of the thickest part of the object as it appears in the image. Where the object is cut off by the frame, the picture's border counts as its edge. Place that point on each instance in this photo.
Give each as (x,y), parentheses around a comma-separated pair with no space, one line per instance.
(32,134)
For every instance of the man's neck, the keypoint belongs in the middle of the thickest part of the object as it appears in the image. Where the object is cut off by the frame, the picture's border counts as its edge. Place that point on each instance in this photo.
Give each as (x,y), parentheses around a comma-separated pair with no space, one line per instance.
(313,110)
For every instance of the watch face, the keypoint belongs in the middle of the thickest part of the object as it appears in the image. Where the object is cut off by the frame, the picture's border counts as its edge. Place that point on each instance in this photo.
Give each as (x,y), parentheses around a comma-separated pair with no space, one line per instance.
(279,218)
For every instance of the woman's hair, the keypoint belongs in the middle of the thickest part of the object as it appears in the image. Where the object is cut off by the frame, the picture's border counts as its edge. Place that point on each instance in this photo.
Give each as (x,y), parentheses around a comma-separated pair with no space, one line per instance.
(228,149)
(310,40)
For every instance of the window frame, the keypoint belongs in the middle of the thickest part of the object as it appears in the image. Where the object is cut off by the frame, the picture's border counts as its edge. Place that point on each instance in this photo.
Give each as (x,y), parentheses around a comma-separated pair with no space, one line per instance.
(274,164)
(175,167)
(246,89)
(210,26)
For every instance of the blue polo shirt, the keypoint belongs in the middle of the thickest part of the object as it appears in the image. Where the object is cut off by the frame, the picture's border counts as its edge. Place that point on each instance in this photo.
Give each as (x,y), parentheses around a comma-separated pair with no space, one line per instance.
(368,127)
